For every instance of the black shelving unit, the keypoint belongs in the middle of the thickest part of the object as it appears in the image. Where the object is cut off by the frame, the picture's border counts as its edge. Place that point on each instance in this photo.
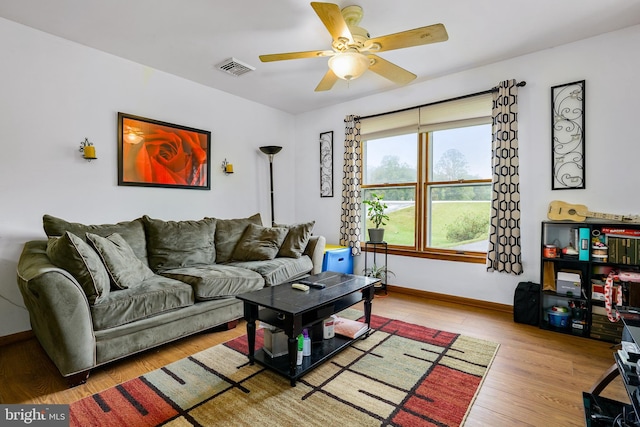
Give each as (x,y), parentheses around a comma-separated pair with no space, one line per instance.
(381,248)
(594,261)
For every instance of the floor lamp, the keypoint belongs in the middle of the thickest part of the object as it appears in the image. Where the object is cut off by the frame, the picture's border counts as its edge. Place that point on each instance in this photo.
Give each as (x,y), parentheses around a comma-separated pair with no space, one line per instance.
(271,150)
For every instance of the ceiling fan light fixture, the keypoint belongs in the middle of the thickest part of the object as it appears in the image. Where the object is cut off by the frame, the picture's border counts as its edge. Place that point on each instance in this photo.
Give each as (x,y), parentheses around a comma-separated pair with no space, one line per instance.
(349,65)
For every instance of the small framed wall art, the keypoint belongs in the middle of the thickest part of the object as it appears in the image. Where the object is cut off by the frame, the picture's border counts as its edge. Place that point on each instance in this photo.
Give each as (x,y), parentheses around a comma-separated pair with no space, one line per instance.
(568,136)
(326,164)
(152,153)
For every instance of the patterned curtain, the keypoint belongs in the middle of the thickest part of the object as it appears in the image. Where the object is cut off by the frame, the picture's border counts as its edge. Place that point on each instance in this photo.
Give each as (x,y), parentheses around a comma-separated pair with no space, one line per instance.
(350,217)
(504,253)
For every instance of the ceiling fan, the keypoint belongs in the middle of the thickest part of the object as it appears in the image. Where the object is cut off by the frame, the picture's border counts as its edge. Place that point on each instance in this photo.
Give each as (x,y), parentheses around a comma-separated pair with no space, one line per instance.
(353,51)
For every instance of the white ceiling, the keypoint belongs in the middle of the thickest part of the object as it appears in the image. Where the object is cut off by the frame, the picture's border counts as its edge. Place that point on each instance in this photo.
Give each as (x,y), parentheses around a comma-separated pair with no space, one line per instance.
(188,38)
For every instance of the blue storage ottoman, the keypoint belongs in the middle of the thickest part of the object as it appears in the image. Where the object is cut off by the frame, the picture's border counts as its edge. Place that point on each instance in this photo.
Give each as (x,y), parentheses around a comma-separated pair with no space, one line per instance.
(338,259)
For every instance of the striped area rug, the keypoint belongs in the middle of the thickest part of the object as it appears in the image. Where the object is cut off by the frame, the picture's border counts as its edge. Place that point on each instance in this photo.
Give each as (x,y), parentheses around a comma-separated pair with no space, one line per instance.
(401,375)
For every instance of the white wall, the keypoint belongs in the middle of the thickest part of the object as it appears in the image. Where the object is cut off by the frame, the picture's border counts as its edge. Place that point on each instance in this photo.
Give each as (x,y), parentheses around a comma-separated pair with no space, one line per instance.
(609,64)
(54,93)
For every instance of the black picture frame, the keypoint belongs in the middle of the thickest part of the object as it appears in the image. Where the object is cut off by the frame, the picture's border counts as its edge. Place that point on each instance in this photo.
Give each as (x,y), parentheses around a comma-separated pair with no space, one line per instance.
(153,153)
(568,136)
(326,164)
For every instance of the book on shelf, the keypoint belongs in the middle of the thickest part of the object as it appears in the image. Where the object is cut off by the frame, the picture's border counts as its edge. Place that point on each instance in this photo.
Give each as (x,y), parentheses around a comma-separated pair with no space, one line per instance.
(580,241)
(623,249)
(620,232)
(349,328)
(584,242)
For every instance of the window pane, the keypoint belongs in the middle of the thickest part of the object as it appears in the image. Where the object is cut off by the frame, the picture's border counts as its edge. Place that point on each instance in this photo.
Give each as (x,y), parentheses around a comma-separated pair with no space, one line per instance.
(401,209)
(459,217)
(461,153)
(390,160)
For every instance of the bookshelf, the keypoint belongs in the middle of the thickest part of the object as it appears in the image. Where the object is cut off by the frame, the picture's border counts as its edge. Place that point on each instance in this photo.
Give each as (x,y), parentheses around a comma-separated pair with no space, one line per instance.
(572,287)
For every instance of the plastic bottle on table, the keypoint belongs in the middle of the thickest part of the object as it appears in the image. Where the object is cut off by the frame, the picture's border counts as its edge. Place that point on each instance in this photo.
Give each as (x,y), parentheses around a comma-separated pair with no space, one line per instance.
(306,343)
(300,348)
(327,327)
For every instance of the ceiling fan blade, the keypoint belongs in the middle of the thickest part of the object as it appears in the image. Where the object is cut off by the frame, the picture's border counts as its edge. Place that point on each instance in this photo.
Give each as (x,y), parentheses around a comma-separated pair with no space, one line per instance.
(296,55)
(327,81)
(390,70)
(416,37)
(331,17)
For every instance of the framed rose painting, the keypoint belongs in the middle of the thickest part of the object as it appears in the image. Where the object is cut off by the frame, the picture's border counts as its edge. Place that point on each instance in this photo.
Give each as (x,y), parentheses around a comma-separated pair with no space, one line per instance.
(152,153)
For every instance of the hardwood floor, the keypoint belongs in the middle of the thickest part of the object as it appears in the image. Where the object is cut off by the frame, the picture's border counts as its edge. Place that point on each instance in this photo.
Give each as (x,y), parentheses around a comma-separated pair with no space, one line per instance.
(537,377)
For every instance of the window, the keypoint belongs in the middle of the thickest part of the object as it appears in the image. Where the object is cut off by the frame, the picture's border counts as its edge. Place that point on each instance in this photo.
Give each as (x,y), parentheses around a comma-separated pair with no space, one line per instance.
(433,167)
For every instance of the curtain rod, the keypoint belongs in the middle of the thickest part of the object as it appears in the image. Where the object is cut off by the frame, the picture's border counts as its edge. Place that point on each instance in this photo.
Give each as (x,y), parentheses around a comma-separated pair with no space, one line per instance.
(484,92)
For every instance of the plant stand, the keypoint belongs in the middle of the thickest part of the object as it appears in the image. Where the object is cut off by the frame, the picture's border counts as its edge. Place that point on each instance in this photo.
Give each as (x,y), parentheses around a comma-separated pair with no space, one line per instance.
(382,248)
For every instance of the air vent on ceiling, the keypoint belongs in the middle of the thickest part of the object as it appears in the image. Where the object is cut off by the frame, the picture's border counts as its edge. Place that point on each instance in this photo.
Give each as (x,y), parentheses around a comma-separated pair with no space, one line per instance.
(234,67)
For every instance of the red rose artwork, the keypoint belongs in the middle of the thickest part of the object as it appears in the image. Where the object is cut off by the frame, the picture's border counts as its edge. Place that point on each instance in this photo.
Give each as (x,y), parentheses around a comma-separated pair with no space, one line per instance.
(160,154)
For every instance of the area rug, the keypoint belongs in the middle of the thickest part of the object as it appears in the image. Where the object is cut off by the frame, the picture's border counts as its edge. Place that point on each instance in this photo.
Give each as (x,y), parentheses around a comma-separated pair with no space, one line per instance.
(400,375)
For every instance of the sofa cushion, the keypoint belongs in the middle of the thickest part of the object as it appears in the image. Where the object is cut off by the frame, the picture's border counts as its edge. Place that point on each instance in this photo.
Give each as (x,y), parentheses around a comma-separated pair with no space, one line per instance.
(278,270)
(124,268)
(259,243)
(175,244)
(73,254)
(228,234)
(151,297)
(297,238)
(217,281)
(131,231)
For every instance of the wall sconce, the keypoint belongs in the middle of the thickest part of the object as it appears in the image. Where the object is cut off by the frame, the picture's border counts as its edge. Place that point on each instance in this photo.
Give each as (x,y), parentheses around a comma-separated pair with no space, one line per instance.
(88,150)
(227,167)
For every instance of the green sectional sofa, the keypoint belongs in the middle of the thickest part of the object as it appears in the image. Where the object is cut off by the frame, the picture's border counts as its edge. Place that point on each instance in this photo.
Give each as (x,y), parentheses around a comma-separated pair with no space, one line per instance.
(98,293)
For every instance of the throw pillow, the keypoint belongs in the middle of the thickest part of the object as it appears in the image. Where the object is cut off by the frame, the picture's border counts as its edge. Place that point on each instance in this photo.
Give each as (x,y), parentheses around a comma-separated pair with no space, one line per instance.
(131,231)
(176,244)
(259,243)
(228,234)
(73,254)
(296,241)
(124,268)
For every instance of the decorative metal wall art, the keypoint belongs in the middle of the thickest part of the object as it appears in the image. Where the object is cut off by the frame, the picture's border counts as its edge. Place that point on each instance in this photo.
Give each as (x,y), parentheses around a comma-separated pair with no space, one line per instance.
(326,164)
(568,136)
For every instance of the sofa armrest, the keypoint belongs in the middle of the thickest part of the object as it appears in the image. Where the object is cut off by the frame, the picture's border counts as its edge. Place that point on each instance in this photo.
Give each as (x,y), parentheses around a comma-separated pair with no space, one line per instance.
(315,251)
(58,310)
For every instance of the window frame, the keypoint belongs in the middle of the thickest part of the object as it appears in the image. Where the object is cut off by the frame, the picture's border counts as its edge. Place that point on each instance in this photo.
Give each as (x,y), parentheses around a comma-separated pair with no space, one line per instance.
(421,186)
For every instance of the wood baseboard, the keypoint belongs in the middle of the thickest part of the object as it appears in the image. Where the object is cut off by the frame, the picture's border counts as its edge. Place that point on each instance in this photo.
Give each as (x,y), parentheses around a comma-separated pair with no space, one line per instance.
(17,337)
(504,308)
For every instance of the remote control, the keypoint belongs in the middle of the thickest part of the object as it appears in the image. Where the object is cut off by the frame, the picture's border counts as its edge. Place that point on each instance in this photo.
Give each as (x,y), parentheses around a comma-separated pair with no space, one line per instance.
(300,287)
(317,285)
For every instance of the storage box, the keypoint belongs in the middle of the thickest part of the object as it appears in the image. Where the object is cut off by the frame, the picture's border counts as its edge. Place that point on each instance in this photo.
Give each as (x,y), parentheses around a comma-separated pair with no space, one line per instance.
(559,319)
(276,342)
(597,291)
(338,259)
(568,283)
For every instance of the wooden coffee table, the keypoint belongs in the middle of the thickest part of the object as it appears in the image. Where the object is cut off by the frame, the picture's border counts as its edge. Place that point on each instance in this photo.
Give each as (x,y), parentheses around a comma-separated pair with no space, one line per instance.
(292,310)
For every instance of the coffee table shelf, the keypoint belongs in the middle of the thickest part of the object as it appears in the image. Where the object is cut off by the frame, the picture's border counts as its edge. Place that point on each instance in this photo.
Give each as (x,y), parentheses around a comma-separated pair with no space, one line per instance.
(274,317)
(292,311)
(320,352)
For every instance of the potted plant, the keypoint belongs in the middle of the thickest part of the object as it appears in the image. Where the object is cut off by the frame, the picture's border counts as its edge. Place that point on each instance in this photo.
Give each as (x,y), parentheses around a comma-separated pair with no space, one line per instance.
(375,213)
(378,272)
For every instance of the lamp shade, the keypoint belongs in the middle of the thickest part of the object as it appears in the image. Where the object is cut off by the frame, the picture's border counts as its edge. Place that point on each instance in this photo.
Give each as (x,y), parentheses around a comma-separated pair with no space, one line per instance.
(349,65)
(270,149)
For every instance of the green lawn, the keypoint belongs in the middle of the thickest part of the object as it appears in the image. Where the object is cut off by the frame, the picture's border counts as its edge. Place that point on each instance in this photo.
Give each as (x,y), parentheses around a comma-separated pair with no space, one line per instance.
(400,228)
